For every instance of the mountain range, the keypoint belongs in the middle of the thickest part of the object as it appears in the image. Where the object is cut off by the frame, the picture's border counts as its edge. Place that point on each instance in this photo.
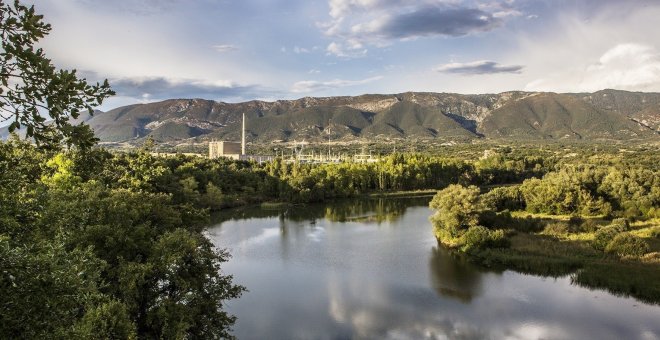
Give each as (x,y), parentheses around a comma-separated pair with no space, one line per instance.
(607,114)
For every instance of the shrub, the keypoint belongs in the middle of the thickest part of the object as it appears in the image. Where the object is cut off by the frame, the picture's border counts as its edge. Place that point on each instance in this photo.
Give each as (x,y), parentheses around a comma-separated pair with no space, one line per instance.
(478,237)
(588,226)
(605,235)
(557,228)
(624,223)
(626,244)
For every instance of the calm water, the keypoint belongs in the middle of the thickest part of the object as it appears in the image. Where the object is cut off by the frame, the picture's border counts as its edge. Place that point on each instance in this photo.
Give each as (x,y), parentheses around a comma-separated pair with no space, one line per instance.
(372,269)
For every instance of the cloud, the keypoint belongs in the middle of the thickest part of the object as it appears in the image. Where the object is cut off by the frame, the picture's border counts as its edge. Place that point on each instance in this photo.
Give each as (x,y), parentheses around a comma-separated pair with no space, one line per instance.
(305,86)
(298,50)
(131,7)
(357,23)
(225,48)
(154,88)
(430,21)
(627,66)
(346,51)
(478,68)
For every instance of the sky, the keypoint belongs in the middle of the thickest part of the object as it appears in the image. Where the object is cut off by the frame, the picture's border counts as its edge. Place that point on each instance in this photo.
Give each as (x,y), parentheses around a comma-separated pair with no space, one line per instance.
(240,50)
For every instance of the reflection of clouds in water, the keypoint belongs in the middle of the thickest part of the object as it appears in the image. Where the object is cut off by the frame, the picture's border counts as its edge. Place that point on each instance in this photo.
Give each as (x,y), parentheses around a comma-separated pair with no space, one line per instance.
(266,233)
(496,306)
(534,330)
(316,234)
(378,312)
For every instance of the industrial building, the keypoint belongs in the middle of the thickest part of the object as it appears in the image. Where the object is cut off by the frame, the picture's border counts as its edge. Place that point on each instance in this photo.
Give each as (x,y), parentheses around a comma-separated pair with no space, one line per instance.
(231,150)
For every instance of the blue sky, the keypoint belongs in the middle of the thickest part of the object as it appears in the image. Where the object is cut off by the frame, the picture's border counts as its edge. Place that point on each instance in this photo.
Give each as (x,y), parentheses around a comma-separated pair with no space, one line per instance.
(258,49)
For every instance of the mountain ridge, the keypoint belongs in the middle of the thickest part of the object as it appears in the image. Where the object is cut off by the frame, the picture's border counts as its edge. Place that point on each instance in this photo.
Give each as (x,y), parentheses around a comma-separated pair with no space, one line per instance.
(605,114)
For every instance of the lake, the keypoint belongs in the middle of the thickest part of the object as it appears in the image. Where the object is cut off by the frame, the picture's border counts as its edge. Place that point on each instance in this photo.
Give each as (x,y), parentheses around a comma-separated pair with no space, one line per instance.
(372,269)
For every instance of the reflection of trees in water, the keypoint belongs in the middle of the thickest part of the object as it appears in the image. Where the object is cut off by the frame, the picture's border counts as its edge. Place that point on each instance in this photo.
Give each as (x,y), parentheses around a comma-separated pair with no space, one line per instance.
(376,210)
(366,210)
(453,276)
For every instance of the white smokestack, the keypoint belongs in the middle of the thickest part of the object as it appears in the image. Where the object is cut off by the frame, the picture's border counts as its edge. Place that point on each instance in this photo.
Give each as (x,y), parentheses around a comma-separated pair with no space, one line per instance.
(243,137)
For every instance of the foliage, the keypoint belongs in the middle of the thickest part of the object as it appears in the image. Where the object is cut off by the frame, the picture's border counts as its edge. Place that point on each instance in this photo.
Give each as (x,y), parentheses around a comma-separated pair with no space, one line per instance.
(479,238)
(31,85)
(86,256)
(108,320)
(46,288)
(557,228)
(605,235)
(457,208)
(626,244)
(504,198)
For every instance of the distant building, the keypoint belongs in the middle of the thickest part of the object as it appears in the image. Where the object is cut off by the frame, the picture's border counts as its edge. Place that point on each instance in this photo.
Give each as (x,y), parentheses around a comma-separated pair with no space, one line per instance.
(231,150)
(225,149)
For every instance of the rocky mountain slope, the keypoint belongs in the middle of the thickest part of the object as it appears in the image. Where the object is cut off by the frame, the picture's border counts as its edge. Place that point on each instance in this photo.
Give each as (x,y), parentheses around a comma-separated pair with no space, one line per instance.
(607,114)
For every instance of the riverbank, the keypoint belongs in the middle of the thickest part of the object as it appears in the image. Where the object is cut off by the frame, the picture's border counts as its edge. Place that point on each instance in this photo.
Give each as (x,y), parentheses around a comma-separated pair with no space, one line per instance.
(552,253)
(402,193)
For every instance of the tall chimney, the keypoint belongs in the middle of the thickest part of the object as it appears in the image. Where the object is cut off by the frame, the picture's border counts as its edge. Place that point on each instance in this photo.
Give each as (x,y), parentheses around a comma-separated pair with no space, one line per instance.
(243,137)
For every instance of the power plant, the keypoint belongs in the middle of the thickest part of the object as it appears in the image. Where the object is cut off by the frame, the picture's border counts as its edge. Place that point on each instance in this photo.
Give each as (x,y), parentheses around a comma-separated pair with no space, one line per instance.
(232,150)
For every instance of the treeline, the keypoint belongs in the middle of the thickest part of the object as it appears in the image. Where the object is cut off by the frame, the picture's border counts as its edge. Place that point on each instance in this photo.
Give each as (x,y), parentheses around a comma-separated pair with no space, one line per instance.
(619,190)
(221,183)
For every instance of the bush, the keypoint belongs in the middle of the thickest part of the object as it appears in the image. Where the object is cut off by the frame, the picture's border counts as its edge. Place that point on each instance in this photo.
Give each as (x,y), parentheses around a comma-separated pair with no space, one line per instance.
(623,223)
(588,226)
(605,235)
(478,237)
(557,228)
(626,244)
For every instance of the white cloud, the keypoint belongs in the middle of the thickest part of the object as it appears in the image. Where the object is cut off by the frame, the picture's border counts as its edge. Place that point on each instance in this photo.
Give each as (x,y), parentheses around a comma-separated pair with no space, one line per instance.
(305,86)
(625,66)
(299,50)
(572,51)
(346,51)
(225,48)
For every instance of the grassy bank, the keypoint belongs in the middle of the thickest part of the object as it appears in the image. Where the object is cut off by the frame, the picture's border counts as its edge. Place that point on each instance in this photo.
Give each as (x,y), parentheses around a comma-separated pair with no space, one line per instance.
(402,193)
(552,253)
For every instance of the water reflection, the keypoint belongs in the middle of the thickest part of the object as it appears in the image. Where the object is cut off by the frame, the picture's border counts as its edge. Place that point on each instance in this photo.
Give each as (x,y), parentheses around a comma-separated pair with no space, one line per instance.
(453,276)
(327,272)
(372,210)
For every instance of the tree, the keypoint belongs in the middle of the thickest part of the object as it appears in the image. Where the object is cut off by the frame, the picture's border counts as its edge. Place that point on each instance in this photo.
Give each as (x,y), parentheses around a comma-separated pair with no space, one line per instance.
(31,87)
(457,208)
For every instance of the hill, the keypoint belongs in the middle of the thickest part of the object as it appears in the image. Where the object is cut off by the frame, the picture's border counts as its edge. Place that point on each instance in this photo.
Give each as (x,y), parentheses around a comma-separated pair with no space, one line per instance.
(607,114)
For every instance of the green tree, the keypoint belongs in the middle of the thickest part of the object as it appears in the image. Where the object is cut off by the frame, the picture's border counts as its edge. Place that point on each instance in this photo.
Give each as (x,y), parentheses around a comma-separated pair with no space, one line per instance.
(30,86)
(45,289)
(457,208)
